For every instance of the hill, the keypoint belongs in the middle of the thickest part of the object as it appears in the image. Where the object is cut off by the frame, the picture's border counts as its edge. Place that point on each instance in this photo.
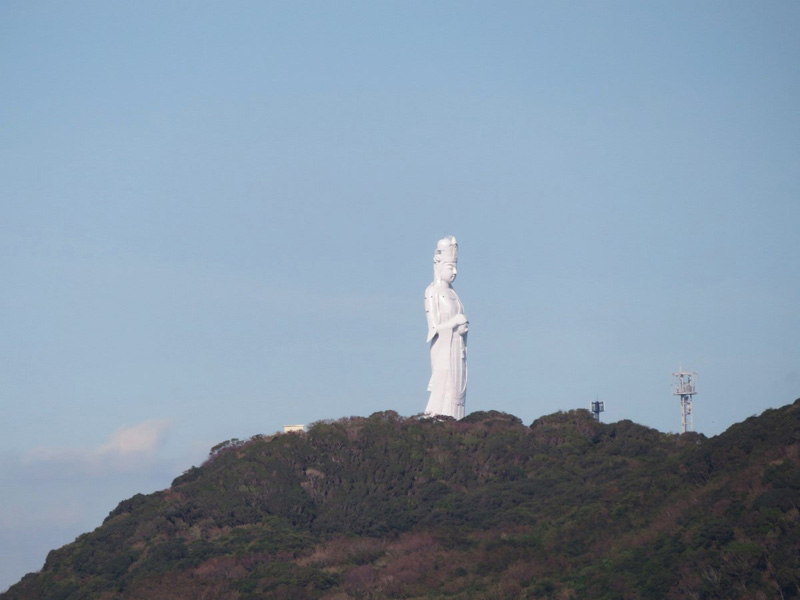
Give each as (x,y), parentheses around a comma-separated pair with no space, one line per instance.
(485,507)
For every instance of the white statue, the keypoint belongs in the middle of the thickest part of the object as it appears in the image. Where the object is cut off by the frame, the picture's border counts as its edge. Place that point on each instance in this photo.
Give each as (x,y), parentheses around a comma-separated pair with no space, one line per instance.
(447,334)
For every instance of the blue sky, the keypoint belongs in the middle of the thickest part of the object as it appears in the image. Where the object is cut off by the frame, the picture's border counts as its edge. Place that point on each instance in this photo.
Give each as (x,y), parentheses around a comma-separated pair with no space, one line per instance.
(218,218)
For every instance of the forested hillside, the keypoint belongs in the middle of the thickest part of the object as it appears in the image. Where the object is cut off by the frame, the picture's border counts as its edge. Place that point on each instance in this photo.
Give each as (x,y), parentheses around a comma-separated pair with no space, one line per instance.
(486,507)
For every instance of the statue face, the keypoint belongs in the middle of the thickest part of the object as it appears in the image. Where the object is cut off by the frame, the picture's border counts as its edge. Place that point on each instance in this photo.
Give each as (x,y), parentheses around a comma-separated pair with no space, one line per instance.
(448,272)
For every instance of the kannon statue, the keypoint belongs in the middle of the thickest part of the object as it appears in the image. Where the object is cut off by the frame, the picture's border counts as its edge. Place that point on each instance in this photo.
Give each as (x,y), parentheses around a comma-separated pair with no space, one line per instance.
(447,335)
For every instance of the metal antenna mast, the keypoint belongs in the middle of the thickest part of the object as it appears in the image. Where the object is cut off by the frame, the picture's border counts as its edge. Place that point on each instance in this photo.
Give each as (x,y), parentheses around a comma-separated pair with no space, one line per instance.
(597,408)
(684,387)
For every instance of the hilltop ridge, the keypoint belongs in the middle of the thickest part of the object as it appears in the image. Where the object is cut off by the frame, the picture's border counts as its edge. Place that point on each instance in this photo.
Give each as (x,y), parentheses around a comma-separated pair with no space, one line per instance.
(486,507)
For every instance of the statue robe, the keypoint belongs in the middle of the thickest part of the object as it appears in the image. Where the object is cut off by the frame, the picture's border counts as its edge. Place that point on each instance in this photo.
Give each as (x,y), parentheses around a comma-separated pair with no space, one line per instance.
(448,384)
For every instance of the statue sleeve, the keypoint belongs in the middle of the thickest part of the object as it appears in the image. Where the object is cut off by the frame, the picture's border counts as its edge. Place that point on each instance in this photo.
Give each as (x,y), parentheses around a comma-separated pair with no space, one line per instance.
(431,312)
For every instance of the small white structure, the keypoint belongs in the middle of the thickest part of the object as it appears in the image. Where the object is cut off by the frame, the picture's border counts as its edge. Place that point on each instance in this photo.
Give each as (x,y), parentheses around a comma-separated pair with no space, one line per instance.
(447,335)
(684,387)
(294,428)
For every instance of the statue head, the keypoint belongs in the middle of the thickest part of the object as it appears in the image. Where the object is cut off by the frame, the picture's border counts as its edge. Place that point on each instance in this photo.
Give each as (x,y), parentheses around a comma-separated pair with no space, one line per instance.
(445,259)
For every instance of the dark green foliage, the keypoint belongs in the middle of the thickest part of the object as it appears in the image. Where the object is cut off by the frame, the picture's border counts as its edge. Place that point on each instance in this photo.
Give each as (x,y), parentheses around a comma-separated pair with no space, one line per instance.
(271,576)
(387,507)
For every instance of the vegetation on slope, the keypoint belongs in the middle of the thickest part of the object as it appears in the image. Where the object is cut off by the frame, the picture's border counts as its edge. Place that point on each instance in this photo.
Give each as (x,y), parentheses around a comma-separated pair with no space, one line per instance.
(387,507)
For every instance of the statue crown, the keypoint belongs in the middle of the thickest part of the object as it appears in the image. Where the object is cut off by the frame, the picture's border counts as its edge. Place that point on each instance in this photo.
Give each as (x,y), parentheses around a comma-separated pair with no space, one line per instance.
(446,250)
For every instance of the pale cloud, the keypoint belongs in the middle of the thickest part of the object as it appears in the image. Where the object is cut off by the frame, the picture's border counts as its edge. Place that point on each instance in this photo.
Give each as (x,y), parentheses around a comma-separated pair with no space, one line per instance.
(143,438)
(128,448)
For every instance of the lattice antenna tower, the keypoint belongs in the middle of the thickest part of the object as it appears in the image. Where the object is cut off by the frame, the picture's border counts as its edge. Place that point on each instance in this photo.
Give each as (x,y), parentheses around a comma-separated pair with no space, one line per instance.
(597,408)
(684,387)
